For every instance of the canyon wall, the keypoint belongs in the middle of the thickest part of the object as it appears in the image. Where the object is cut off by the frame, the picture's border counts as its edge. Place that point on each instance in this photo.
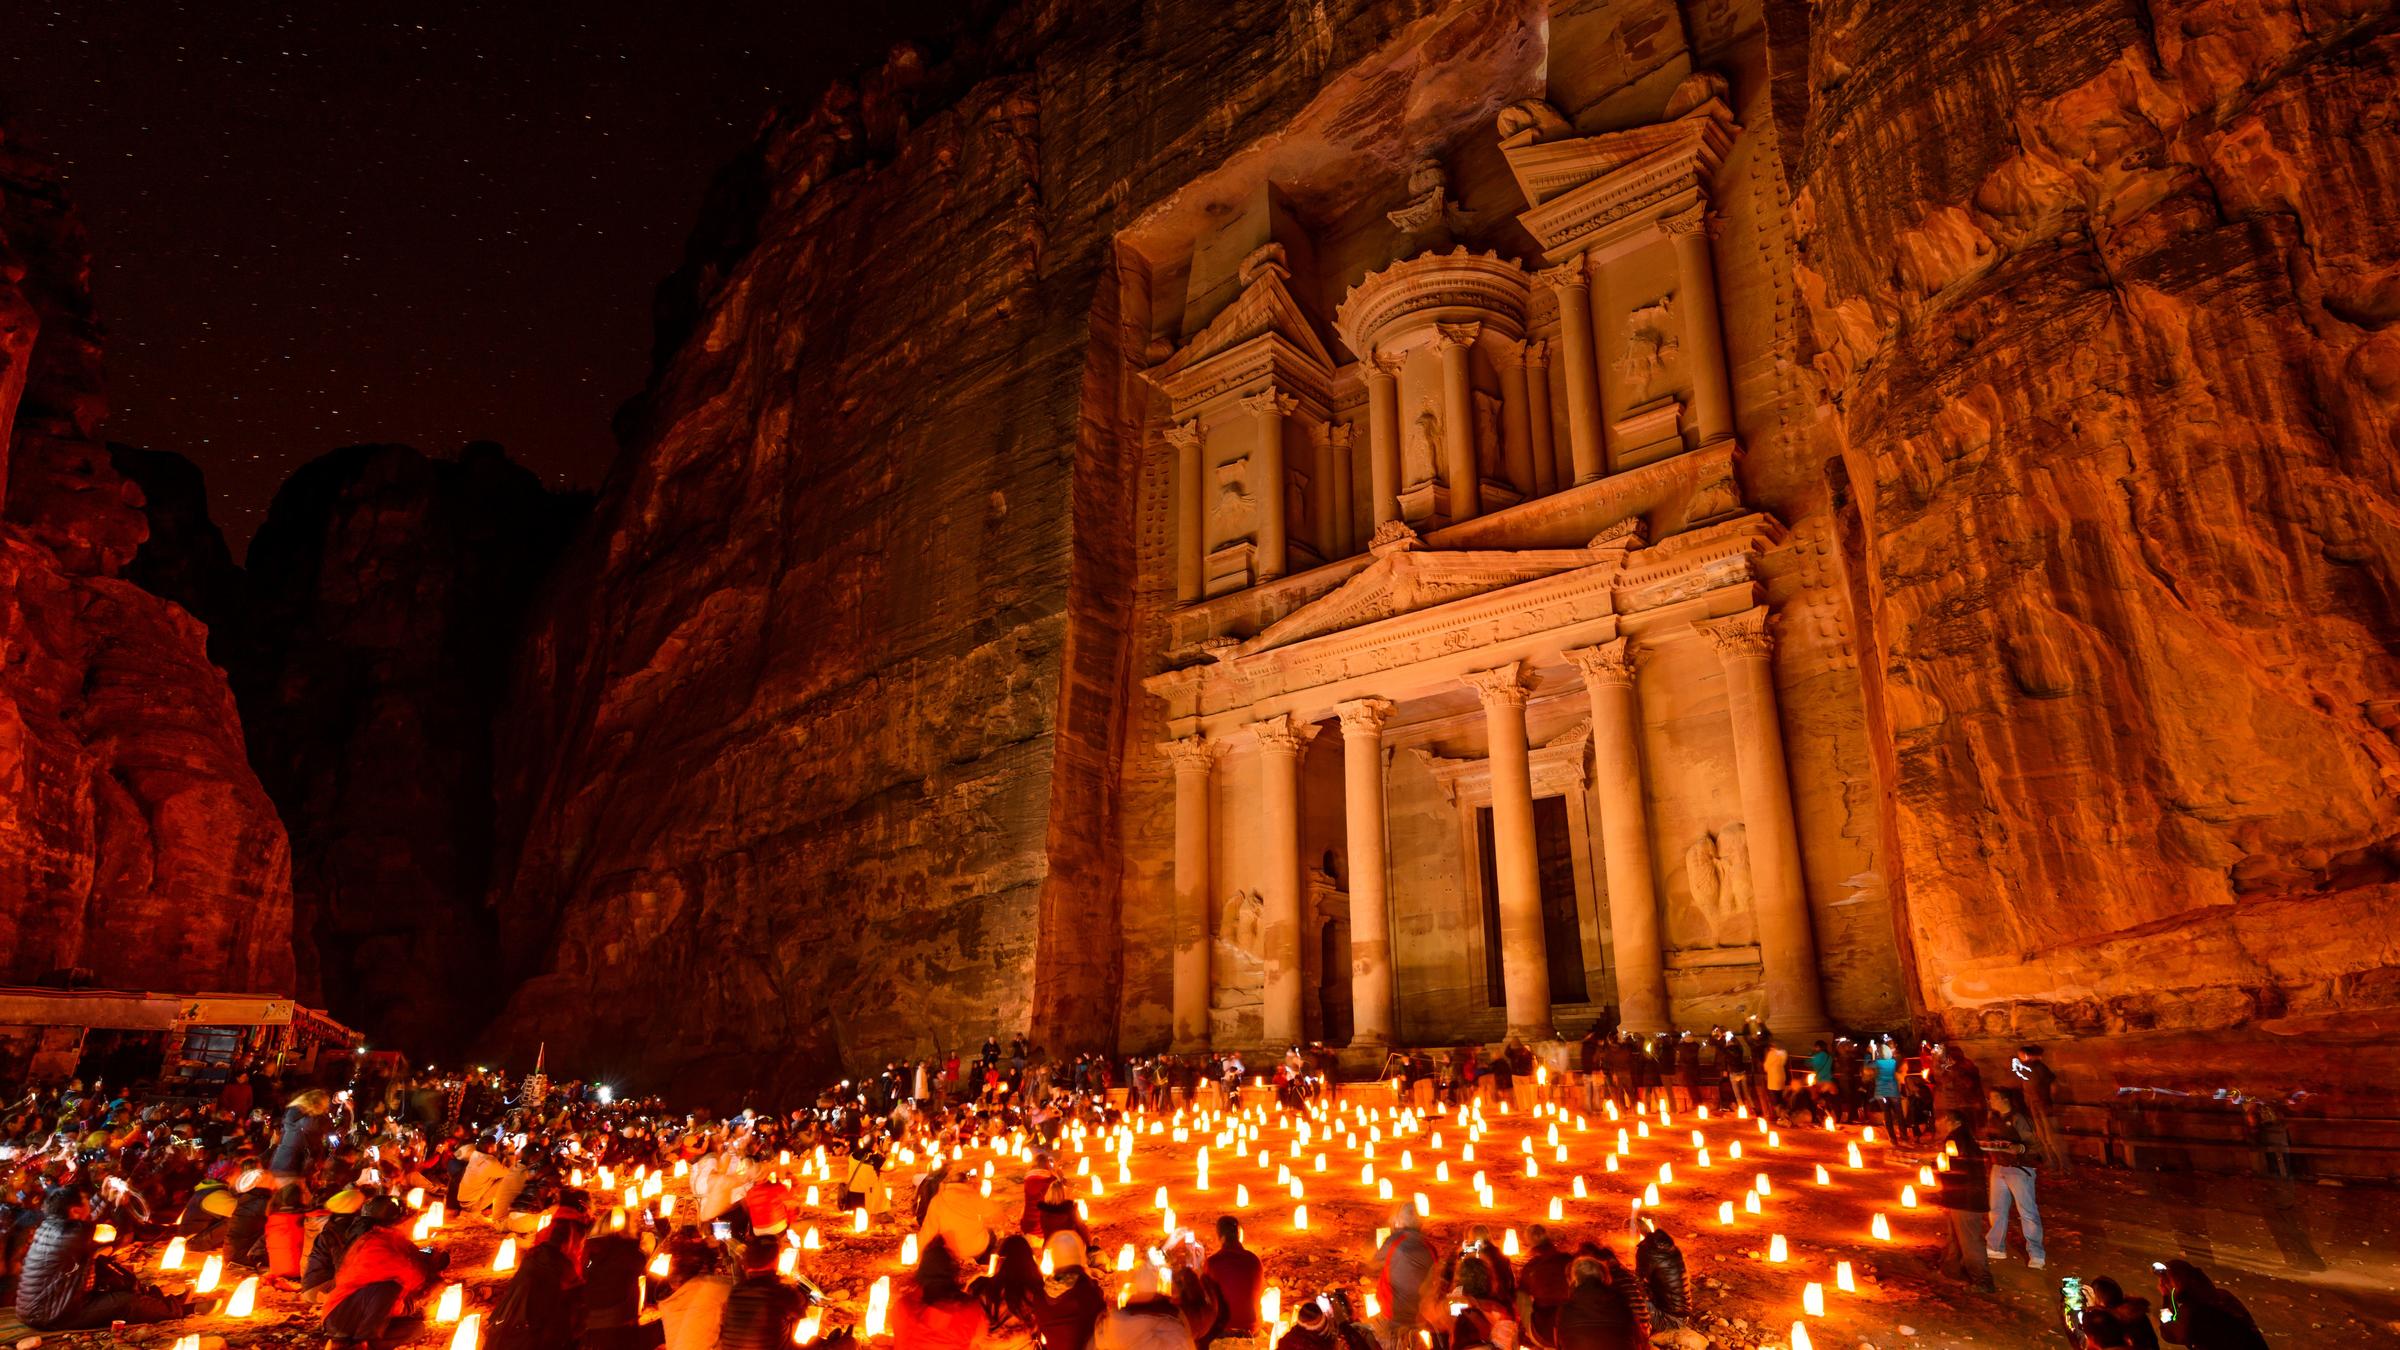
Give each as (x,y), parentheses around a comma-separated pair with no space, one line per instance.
(369,652)
(136,845)
(818,735)
(2102,298)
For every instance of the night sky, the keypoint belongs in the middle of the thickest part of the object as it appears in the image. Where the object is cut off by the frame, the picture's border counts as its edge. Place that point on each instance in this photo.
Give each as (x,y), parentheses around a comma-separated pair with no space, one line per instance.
(348,220)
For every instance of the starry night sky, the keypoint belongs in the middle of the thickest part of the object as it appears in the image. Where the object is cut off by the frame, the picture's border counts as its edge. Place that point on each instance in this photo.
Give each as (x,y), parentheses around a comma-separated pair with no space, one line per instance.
(339,221)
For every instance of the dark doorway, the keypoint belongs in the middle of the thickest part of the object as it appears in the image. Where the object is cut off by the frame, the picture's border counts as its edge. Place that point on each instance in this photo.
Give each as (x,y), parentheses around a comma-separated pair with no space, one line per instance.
(1333,981)
(1562,927)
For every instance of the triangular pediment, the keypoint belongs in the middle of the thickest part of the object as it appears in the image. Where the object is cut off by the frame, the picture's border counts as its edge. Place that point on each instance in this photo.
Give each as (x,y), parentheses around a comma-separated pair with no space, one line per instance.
(1410,581)
(1265,306)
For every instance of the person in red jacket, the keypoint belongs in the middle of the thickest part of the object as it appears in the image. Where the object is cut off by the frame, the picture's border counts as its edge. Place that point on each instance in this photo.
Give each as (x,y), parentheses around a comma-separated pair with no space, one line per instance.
(287,1237)
(381,1275)
(1037,1189)
(770,1205)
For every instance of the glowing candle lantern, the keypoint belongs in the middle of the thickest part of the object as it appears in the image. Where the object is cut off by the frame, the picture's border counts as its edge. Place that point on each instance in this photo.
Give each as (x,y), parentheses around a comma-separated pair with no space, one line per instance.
(1650,1195)
(1842,1279)
(469,1333)
(810,1324)
(1812,1299)
(1666,1174)
(1125,1257)
(787,1258)
(1159,1201)
(1734,1150)
(1270,1306)
(1580,1192)
(1941,1162)
(858,1220)
(1610,1162)
(1441,1171)
(1558,1209)
(1882,1228)
(1855,1160)
(1760,1184)
(1777,1252)
(1298,1192)
(810,1241)
(1508,1243)
(1166,1220)
(908,1250)
(1725,1212)
(660,1266)
(1424,1206)
(1532,1168)
(451,1304)
(666,1206)
(812,1196)
(1241,1197)
(1924,1176)
(1383,1189)
(1867,1135)
(433,1214)
(506,1258)
(1407,1163)
(1908,1197)
(1800,1339)
(1824,1178)
(245,1298)
(416,1197)
(186,1343)
(1374,1307)
(1641,1129)
(1774,1140)
(212,1269)
(172,1258)
(1703,1158)
(1750,1203)
(879,1306)
(1466,1152)
(1300,1218)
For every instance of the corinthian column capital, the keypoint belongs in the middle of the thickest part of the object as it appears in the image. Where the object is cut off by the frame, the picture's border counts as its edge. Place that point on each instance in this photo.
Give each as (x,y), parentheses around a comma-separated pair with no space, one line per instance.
(1569,274)
(1604,664)
(1191,754)
(1537,353)
(1385,365)
(1182,435)
(1364,716)
(1499,687)
(1270,401)
(1743,636)
(1695,220)
(1283,734)
(1458,334)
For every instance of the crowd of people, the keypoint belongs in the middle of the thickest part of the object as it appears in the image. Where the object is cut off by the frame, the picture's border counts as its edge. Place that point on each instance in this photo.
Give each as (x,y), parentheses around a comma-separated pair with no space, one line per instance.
(308,1195)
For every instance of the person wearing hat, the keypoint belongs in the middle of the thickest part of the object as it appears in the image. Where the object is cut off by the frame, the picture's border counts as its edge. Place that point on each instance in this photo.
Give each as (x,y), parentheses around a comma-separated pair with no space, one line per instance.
(352,1216)
(1149,1320)
(1072,1303)
(205,1215)
(380,1276)
(1311,1329)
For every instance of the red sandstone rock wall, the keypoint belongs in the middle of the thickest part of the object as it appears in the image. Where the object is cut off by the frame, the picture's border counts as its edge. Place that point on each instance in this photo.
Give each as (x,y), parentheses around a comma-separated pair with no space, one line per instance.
(2103,297)
(135,842)
(819,735)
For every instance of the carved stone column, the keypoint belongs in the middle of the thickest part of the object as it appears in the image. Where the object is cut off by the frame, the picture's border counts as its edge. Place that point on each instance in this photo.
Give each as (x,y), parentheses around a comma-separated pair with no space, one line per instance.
(1537,414)
(1516,431)
(1267,479)
(1191,547)
(1786,939)
(1282,889)
(1345,519)
(1625,835)
(1703,326)
(1383,437)
(1582,366)
(1516,858)
(1321,497)
(1371,1009)
(1458,420)
(1194,759)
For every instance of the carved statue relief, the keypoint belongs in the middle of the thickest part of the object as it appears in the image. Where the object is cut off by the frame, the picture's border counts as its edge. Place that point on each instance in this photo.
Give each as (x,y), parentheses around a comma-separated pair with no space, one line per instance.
(1243,922)
(1716,871)
(1487,434)
(1424,448)
(1237,968)
(1234,502)
(1650,345)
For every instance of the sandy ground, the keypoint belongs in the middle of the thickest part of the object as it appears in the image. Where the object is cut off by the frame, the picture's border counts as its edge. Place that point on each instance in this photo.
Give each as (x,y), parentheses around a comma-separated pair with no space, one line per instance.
(2319,1266)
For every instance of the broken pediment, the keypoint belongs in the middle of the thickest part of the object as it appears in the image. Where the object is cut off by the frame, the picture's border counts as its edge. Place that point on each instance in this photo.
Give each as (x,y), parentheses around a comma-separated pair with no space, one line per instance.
(1409,580)
(1577,188)
(1264,307)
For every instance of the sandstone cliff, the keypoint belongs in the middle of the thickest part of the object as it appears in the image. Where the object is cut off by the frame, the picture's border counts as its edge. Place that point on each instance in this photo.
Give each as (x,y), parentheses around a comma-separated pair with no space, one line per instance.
(385,592)
(135,843)
(821,730)
(2102,296)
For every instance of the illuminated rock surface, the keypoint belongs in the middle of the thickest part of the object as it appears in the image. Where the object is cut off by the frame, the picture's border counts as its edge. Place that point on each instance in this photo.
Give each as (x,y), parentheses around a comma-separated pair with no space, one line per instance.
(135,843)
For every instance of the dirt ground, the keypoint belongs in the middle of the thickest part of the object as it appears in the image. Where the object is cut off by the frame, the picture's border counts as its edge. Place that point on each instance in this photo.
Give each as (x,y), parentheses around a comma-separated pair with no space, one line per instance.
(2318,1265)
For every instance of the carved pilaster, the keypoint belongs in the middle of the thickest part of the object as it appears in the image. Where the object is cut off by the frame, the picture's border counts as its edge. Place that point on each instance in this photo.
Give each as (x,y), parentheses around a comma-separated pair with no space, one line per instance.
(1191,548)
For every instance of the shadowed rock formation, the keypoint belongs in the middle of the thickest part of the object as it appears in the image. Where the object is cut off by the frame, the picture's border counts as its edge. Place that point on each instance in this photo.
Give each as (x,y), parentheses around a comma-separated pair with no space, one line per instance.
(135,843)
(386,590)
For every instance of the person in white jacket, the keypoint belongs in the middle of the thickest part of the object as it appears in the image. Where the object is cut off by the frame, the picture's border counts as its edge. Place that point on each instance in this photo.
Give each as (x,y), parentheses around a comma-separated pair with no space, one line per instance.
(695,1310)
